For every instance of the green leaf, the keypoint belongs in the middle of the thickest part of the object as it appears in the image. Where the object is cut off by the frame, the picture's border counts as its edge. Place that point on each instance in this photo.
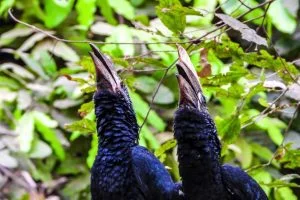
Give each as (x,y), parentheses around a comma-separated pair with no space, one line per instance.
(285,193)
(170,144)
(261,151)
(25,129)
(273,126)
(121,34)
(163,96)
(170,13)
(245,155)
(9,83)
(262,177)
(45,119)
(48,64)
(86,108)
(56,11)
(229,128)
(5,5)
(33,65)
(235,8)
(71,166)
(42,169)
(123,7)
(281,183)
(141,108)
(40,150)
(86,10)
(173,14)
(145,84)
(147,135)
(208,6)
(281,17)
(148,84)
(216,64)
(106,11)
(76,185)
(50,136)
(291,159)
(84,126)
(93,151)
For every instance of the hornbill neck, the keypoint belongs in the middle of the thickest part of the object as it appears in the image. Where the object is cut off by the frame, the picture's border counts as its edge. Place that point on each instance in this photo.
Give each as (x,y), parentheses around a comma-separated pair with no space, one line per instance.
(198,145)
(116,122)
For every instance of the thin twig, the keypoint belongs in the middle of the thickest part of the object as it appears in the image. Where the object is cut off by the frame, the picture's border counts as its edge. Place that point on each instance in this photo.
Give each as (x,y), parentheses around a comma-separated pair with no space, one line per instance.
(85,41)
(244,4)
(265,111)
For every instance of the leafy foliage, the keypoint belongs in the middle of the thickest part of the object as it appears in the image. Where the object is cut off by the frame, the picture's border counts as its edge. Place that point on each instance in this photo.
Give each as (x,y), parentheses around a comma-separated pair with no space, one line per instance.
(48,139)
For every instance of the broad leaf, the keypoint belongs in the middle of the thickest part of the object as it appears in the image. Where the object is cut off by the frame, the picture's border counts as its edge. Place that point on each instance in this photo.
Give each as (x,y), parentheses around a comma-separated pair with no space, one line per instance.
(86,10)
(25,130)
(62,9)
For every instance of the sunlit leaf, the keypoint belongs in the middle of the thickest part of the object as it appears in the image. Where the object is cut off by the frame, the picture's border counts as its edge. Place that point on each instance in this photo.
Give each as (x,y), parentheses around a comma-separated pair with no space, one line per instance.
(262,177)
(285,193)
(229,128)
(281,17)
(106,11)
(50,136)
(123,7)
(170,144)
(171,16)
(61,8)
(245,155)
(141,108)
(40,149)
(5,5)
(85,10)
(9,83)
(84,126)
(25,129)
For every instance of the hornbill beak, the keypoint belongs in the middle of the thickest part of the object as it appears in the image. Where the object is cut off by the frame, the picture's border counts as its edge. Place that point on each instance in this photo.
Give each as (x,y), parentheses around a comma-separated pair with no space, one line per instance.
(189,86)
(106,75)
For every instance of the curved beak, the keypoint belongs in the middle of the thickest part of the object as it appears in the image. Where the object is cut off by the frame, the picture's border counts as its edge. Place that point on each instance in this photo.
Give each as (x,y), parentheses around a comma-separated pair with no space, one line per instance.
(106,75)
(189,86)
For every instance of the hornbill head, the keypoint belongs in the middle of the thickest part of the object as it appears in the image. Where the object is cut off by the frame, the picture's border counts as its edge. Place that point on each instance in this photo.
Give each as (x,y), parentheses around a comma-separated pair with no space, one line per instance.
(190,90)
(111,93)
(107,79)
(106,75)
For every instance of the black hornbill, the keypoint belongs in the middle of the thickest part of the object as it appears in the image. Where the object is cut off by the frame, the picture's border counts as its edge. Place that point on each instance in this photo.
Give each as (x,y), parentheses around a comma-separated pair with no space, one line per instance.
(203,176)
(123,170)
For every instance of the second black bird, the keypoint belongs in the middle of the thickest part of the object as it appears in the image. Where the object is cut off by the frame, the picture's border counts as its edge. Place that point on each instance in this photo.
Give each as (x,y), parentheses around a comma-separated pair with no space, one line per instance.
(203,176)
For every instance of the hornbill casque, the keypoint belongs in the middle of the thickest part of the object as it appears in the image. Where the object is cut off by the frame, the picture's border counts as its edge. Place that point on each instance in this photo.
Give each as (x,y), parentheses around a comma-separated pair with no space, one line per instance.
(203,176)
(123,170)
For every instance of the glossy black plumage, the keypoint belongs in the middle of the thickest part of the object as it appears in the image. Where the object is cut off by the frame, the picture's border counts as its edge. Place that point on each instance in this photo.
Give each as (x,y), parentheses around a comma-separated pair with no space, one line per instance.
(199,149)
(122,170)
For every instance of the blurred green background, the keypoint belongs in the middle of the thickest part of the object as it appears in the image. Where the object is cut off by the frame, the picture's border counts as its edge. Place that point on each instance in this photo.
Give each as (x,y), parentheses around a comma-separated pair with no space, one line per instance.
(47,123)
